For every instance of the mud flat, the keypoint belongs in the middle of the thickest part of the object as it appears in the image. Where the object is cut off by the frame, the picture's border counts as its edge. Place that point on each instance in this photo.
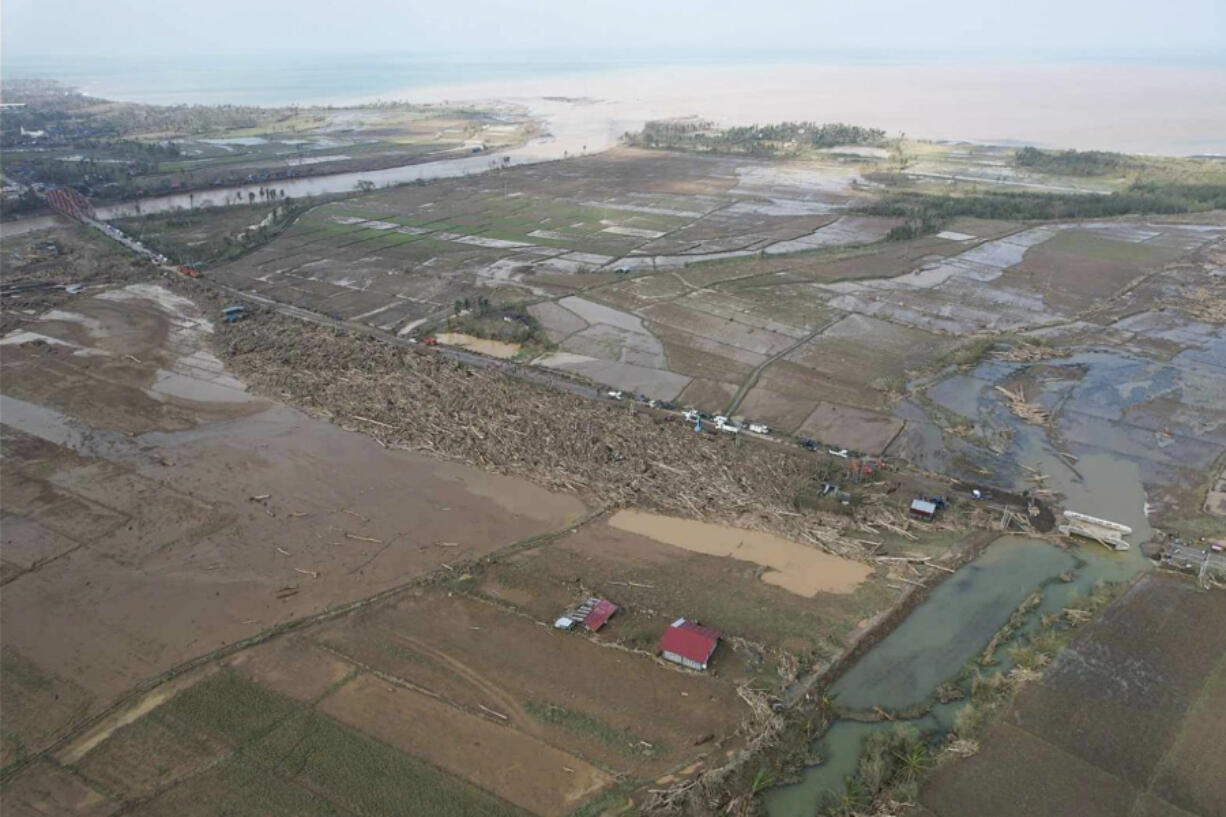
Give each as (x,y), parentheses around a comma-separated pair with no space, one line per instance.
(145,525)
(798,568)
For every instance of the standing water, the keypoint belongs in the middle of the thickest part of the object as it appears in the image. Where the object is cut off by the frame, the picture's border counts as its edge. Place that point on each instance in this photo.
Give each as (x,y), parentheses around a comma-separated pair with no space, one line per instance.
(929,648)
(960,617)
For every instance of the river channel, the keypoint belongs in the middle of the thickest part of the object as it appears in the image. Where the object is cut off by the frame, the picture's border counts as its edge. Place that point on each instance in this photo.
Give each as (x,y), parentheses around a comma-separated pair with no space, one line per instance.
(573,128)
(958,619)
(933,644)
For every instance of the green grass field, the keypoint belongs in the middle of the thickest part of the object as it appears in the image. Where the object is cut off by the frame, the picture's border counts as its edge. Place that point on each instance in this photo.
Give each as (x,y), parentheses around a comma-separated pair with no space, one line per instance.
(228,746)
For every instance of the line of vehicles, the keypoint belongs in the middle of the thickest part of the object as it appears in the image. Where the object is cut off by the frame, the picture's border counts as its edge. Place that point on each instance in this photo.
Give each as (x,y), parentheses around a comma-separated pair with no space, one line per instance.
(702,420)
(691,415)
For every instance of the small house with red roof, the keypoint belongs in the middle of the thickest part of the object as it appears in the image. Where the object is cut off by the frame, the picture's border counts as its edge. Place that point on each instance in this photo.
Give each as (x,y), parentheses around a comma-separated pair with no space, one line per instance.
(689,644)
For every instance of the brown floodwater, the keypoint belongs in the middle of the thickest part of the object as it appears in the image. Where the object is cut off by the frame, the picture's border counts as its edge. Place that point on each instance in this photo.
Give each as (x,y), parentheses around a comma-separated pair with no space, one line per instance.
(493,348)
(797,568)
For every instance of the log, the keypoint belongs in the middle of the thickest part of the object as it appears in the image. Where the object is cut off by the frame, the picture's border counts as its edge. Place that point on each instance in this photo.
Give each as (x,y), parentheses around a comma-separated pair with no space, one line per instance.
(492,712)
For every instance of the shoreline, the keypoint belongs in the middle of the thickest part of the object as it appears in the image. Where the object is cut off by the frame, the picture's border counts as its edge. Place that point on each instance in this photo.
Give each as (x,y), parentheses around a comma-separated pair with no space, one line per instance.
(1162,108)
(1121,108)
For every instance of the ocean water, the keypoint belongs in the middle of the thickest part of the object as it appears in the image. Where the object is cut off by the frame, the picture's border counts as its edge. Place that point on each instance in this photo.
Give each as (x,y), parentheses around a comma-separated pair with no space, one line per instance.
(285,80)
(309,79)
(1172,104)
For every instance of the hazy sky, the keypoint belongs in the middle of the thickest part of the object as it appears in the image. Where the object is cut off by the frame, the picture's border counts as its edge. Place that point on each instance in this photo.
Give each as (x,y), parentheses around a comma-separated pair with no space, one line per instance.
(176,27)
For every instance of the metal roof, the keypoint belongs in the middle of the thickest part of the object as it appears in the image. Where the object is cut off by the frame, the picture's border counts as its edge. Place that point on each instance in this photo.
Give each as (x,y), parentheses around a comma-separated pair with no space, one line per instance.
(690,640)
(924,506)
(601,612)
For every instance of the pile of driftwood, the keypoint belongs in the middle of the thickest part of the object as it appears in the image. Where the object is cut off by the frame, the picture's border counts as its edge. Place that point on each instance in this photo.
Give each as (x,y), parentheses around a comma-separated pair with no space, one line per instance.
(707,791)
(613,454)
(1024,409)
(1207,305)
(1029,353)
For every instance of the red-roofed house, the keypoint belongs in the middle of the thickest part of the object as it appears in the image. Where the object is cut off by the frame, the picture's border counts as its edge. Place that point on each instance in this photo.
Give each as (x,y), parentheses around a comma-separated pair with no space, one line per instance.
(688,644)
(602,611)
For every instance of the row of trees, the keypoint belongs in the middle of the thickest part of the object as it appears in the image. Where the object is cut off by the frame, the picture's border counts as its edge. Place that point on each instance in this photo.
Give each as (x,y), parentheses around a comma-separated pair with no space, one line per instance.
(784,138)
(927,214)
(1072,162)
(831,134)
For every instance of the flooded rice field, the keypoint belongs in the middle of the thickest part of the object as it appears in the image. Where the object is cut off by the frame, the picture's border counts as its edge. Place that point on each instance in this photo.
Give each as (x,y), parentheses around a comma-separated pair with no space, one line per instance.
(493,348)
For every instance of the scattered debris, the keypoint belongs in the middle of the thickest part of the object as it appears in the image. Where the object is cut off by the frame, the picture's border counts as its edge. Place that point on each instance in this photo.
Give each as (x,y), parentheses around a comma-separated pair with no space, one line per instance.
(485,708)
(479,417)
(593,613)
(1022,408)
(1029,353)
(1207,305)
(372,422)
(1104,531)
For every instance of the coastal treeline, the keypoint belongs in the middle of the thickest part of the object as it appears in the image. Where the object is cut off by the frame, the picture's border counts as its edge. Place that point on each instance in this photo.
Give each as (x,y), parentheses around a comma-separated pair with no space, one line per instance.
(1072,162)
(48,114)
(780,139)
(927,213)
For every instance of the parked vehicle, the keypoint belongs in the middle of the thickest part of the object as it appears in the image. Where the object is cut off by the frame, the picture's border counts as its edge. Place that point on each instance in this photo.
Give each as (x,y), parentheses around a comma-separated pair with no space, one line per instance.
(234,313)
(614,394)
(759,428)
(805,442)
(842,452)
